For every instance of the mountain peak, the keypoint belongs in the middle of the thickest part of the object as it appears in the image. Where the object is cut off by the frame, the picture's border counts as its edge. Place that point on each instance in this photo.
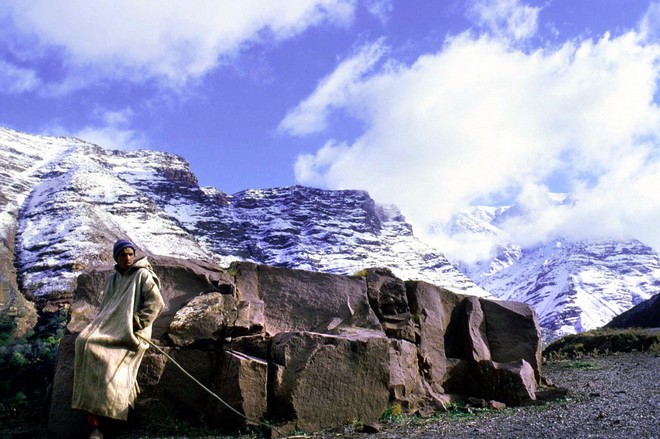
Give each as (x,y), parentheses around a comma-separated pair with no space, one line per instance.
(573,285)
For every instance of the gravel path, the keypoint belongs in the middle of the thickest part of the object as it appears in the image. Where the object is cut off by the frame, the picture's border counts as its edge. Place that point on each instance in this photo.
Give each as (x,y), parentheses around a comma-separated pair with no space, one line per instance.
(616,396)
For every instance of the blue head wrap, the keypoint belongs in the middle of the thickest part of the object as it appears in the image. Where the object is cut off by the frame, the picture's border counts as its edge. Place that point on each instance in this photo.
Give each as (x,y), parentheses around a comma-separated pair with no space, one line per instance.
(120,245)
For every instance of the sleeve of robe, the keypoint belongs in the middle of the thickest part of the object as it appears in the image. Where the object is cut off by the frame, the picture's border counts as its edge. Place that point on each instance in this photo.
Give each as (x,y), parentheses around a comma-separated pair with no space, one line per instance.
(149,303)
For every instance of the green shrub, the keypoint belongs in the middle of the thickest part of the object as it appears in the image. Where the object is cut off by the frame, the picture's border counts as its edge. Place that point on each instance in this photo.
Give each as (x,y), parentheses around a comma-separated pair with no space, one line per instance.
(655,347)
(26,364)
(18,360)
(20,400)
(604,341)
(392,413)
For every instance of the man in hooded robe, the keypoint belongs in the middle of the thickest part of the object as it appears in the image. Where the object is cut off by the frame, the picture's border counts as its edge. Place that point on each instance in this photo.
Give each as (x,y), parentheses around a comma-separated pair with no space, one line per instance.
(108,350)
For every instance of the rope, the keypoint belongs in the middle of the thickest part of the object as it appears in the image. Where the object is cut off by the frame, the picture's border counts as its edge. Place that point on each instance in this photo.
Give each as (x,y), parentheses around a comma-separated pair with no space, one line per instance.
(256,421)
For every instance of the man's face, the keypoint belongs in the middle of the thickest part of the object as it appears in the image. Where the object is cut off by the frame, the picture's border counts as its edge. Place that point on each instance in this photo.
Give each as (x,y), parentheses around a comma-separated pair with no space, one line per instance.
(125,258)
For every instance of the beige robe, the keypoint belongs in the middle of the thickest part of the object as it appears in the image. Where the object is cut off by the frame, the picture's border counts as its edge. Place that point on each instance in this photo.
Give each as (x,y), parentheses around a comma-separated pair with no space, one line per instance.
(108,354)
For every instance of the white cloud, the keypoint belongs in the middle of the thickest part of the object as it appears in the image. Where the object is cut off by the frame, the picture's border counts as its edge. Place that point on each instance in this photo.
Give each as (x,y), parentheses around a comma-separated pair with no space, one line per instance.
(650,23)
(167,40)
(15,79)
(480,121)
(310,115)
(624,203)
(310,168)
(111,130)
(113,137)
(381,9)
(506,18)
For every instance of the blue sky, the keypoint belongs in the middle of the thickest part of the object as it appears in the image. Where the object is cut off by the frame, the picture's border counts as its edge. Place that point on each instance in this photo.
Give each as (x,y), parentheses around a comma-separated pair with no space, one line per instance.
(432,105)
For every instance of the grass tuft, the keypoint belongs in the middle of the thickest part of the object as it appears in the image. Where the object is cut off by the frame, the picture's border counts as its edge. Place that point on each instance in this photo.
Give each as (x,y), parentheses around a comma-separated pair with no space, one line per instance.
(581,365)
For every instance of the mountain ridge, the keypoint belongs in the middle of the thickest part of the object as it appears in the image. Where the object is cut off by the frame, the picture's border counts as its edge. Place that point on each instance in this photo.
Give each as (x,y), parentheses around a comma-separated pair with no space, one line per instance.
(68,200)
(64,202)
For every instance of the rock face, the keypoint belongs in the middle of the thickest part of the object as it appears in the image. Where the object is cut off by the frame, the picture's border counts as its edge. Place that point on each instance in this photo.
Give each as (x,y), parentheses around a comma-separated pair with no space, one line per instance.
(312,350)
(323,381)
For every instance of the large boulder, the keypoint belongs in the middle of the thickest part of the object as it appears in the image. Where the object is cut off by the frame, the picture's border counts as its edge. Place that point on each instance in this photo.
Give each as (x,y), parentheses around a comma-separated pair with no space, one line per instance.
(457,332)
(311,350)
(513,333)
(512,383)
(177,396)
(149,378)
(431,308)
(182,280)
(406,388)
(87,298)
(242,384)
(298,300)
(214,316)
(321,381)
(63,421)
(466,337)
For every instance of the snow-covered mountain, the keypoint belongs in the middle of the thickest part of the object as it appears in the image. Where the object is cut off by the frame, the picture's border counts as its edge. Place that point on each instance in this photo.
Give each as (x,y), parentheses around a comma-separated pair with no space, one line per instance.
(572,285)
(64,202)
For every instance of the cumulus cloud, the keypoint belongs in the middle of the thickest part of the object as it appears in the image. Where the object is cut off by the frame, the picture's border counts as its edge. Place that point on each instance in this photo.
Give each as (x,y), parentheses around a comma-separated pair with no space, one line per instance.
(113,137)
(484,122)
(169,41)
